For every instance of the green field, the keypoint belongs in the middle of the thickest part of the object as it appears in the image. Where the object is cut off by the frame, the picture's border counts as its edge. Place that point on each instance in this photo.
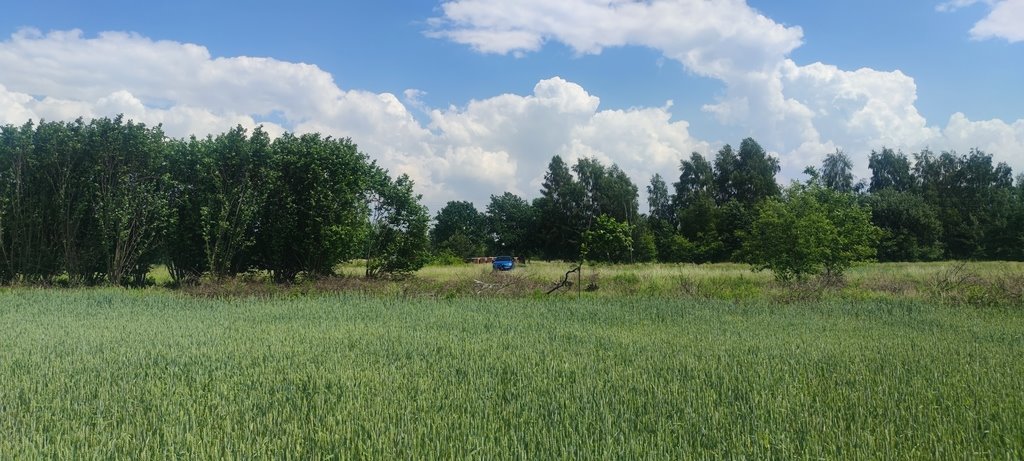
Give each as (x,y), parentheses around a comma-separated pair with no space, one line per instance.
(111,373)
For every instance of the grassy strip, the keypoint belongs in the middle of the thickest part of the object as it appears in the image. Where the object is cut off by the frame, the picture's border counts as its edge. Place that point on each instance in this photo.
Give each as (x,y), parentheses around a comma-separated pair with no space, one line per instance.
(980,284)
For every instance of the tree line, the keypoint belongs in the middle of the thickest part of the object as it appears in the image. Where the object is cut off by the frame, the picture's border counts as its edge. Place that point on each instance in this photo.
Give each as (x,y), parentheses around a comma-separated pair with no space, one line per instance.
(921,207)
(104,201)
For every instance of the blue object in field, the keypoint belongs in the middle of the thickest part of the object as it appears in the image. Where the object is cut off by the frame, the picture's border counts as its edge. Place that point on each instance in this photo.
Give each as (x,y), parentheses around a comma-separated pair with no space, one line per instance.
(504,263)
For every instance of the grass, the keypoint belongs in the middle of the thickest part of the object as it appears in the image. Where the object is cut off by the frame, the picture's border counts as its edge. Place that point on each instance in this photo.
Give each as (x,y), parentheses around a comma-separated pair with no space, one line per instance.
(978,284)
(110,373)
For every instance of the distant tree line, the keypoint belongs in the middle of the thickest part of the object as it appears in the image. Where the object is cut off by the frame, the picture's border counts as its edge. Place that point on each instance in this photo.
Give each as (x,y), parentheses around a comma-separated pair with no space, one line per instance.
(731,208)
(104,201)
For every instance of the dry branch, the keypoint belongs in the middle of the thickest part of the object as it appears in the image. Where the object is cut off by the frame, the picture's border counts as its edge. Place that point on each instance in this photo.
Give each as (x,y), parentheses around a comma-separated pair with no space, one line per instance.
(565,280)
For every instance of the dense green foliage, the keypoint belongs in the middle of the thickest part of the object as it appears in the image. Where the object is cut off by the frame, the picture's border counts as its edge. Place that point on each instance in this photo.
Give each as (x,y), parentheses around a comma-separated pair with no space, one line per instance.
(811,230)
(607,241)
(84,203)
(316,210)
(106,200)
(511,225)
(460,229)
(946,206)
(91,201)
(569,206)
(233,171)
(911,227)
(397,243)
(113,374)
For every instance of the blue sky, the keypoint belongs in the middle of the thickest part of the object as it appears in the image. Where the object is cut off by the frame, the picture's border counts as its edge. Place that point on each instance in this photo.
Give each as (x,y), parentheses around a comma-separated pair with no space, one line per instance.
(803,77)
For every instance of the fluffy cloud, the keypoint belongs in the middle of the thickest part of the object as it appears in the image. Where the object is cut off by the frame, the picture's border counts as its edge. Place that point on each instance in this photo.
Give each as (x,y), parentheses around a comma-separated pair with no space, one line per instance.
(716,39)
(787,106)
(992,136)
(560,117)
(1003,20)
(503,142)
(486,147)
(177,120)
(800,111)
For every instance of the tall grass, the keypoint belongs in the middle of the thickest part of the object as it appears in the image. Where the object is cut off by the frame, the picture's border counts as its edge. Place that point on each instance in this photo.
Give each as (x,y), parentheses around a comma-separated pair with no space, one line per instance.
(958,283)
(109,373)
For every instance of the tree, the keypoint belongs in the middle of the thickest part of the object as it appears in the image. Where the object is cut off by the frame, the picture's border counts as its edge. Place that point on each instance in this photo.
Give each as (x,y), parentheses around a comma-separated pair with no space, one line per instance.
(659,203)
(713,225)
(26,249)
(562,212)
(1009,244)
(645,248)
(725,241)
(696,208)
(726,163)
(397,236)
(73,179)
(617,196)
(108,199)
(837,172)
(810,231)
(234,173)
(889,170)
(511,225)
(590,176)
(132,188)
(607,240)
(606,190)
(911,227)
(1004,230)
(661,223)
(185,246)
(971,198)
(754,176)
(315,213)
(459,228)
(696,181)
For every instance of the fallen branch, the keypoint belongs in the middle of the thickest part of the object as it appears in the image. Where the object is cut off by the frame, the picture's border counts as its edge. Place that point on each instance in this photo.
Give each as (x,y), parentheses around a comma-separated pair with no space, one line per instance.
(565,280)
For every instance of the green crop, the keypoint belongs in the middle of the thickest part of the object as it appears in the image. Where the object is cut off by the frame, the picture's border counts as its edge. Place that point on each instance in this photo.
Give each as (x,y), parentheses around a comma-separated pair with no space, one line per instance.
(109,373)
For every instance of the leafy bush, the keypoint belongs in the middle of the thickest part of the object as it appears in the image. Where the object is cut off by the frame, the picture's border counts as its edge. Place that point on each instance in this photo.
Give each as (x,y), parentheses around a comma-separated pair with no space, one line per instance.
(108,199)
(446,258)
(811,230)
(607,241)
(397,242)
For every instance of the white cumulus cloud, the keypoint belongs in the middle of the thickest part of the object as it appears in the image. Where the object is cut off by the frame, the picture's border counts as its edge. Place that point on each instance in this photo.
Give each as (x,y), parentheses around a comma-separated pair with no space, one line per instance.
(501,143)
(991,136)
(560,117)
(715,38)
(1004,20)
(800,111)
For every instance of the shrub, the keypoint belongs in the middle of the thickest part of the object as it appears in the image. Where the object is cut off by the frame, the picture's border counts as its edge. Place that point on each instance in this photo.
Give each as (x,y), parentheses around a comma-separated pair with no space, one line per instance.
(811,230)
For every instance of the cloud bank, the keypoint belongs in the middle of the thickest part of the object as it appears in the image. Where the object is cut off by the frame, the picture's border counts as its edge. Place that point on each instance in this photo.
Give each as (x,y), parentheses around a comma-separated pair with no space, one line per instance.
(503,142)
(486,147)
(800,111)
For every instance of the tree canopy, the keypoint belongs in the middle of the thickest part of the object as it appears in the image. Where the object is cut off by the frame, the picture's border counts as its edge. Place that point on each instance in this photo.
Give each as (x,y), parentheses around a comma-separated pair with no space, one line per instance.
(108,199)
(105,200)
(810,230)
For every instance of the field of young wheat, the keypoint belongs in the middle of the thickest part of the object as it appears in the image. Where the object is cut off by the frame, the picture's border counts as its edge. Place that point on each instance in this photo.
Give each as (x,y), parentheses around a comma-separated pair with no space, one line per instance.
(110,373)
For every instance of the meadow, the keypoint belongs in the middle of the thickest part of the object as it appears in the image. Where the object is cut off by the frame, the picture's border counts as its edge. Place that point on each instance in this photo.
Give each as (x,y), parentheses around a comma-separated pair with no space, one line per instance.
(662,362)
(978,284)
